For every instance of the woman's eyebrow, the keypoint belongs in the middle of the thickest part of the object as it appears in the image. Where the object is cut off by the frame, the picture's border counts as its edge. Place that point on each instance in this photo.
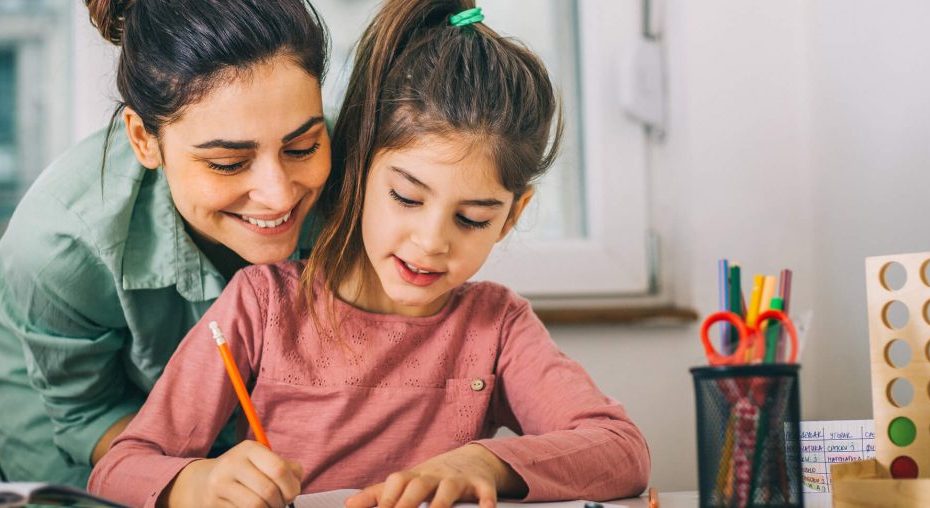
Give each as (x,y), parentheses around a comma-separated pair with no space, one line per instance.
(314,120)
(251,145)
(229,144)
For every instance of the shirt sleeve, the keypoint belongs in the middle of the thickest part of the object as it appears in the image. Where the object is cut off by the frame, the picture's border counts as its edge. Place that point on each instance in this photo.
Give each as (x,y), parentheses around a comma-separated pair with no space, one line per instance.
(576,442)
(188,406)
(57,299)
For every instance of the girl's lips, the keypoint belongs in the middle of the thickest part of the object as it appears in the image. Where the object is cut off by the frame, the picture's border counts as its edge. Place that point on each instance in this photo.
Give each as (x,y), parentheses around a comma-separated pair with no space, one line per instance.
(415,278)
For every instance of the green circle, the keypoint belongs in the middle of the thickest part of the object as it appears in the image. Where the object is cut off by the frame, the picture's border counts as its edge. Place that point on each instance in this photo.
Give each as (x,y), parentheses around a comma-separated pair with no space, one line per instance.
(902,431)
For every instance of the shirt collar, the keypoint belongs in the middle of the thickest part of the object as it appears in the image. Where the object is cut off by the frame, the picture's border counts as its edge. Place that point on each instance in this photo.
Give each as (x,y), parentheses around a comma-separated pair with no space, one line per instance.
(160,253)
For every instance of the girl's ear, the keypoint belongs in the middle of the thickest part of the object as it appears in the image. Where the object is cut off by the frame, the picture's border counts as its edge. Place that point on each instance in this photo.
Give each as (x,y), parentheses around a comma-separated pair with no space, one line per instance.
(145,145)
(515,211)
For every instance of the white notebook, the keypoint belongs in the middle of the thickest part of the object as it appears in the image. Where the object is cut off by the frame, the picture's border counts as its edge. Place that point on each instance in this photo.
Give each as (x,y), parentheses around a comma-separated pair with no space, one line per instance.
(336,499)
(22,493)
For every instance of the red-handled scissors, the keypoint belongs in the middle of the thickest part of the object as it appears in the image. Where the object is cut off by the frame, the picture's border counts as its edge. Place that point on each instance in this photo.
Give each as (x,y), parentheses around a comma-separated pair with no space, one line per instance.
(749,337)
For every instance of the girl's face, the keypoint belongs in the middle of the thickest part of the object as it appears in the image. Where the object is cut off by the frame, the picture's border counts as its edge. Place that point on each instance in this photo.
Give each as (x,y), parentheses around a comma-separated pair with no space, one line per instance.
(246,163)
(433,211)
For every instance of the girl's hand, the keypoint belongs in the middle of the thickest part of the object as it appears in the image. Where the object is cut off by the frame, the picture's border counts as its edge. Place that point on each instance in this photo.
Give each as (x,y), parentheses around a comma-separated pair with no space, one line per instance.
(247,475)
(469,473)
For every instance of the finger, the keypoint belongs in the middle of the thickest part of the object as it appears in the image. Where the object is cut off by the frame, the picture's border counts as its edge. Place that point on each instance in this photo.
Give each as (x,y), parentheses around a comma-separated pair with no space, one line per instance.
(394,486)
(278,471)
(298,472)
(367,498)
(448,492)
(260,485)
(295,468)
(486,493)
(239,495)
(418,489)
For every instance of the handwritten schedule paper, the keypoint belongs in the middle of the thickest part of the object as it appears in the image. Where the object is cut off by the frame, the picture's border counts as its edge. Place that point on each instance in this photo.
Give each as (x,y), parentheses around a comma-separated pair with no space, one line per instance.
(829,442)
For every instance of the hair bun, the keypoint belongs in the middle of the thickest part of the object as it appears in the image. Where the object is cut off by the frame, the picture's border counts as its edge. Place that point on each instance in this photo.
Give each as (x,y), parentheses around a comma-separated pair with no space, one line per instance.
(108,17)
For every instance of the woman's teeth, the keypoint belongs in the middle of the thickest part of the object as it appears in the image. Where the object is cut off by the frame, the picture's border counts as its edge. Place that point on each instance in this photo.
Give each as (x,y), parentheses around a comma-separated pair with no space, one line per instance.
(266,223)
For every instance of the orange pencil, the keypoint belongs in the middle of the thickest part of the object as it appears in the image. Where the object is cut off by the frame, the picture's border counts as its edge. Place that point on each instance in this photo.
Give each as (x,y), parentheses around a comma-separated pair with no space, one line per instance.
(239,386)
(653,497)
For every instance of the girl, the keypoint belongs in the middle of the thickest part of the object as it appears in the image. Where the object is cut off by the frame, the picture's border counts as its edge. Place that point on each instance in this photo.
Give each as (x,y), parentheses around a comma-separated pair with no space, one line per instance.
(377,363)
(121,245)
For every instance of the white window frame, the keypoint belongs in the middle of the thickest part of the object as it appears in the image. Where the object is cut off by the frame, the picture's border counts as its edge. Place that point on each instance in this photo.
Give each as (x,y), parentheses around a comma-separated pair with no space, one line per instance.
(613,258)
(42,101)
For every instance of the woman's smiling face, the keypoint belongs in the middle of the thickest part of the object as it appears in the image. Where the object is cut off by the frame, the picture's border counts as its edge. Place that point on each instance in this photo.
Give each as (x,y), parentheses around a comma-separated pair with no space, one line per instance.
(246,163)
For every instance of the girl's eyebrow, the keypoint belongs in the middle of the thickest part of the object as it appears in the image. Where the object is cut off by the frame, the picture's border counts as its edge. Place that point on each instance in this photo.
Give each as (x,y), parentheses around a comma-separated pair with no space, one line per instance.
(489,203)
(251,145)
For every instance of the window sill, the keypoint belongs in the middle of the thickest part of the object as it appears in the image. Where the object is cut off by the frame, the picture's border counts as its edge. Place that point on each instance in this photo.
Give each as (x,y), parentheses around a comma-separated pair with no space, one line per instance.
(659,314)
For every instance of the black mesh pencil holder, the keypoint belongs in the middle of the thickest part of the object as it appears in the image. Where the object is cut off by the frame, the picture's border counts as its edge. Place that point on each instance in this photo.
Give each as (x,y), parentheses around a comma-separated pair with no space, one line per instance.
(748,419)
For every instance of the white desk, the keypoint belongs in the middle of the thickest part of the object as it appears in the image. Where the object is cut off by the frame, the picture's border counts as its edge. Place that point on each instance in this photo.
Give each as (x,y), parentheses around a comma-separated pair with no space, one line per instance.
(687,499)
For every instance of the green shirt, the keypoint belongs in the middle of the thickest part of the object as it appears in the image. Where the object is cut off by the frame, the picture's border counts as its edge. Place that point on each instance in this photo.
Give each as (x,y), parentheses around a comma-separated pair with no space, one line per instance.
(99,282)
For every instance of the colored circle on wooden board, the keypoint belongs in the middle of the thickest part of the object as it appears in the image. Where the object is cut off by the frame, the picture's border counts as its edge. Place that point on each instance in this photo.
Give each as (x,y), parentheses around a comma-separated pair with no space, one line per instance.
(903,467)
(902,431)
(893,276)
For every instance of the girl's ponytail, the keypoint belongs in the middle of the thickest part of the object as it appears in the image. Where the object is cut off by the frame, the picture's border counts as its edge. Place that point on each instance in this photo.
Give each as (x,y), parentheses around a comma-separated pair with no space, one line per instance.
(108,16)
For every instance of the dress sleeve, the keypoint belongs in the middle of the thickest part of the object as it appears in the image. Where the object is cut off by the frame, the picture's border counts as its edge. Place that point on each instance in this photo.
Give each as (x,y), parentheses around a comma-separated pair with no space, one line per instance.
(59,301)
(189,404)
(575,442)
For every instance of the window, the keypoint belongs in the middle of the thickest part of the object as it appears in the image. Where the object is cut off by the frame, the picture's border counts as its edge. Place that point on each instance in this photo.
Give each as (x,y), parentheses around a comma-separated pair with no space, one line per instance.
(585,233)
(8,148)
(34,115)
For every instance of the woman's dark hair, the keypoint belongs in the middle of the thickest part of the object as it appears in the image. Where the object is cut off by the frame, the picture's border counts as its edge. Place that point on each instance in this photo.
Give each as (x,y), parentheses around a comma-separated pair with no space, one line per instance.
(174,52)
(417,75)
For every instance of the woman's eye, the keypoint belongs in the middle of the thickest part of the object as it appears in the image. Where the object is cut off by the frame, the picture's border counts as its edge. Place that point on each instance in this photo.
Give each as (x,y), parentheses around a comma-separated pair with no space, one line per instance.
(471,224)
(300,154)
(226,168)
(402,200)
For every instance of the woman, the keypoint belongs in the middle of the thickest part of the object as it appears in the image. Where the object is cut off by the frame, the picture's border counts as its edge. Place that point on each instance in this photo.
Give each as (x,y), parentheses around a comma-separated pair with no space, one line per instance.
(213,161)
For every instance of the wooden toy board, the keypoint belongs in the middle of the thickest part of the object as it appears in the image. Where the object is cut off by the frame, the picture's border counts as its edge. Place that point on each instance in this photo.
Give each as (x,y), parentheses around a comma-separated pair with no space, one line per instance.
(866,484)
(902,426)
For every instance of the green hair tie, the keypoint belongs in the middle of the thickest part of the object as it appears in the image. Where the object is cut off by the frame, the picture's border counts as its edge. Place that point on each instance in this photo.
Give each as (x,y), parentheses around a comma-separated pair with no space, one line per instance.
(467,17)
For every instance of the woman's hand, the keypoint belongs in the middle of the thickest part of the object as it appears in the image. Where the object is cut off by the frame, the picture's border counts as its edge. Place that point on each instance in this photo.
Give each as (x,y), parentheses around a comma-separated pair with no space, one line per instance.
(469,473)
(247,475)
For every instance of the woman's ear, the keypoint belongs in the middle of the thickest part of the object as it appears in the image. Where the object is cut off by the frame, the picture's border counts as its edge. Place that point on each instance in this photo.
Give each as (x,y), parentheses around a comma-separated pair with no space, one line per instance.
(144,144)
(516,210)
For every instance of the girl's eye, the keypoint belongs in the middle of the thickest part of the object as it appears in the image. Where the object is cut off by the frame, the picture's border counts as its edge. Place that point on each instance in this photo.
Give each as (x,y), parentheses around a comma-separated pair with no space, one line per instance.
(226,168)
(300,154)
(402,200)
(471,224)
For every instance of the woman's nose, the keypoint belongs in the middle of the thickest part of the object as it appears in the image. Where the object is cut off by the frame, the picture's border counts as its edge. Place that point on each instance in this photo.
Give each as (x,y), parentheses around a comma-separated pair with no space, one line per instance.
(273,186)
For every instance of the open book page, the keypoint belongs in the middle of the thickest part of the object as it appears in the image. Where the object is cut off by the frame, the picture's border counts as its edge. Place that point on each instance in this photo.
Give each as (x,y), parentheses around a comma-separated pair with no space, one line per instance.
(336,499)
(330,499)
(21,493)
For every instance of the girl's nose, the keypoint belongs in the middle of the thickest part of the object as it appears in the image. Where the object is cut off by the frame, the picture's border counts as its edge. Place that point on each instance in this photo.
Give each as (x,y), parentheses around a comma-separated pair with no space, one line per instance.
(432,236)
